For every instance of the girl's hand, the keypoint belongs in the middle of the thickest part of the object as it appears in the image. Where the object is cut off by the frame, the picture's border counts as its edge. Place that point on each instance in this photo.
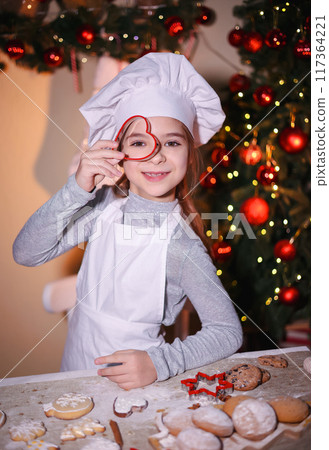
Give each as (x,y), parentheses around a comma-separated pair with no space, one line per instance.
(137,369)
(97,163)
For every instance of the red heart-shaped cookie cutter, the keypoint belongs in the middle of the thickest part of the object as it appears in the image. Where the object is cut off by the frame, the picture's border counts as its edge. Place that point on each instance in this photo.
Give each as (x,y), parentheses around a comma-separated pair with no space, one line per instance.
(147,132)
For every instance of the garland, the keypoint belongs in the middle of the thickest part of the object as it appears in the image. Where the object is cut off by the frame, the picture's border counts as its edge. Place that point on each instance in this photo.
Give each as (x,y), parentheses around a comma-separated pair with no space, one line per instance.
(44,40)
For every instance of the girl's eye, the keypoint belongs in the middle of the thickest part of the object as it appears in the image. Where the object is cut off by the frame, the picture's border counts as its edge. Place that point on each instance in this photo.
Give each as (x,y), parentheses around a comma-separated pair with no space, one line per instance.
(137,144)
(172,143)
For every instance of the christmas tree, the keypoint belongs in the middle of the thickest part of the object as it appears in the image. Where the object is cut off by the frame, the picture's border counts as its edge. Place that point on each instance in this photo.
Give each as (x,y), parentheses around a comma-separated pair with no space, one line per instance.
(258,171)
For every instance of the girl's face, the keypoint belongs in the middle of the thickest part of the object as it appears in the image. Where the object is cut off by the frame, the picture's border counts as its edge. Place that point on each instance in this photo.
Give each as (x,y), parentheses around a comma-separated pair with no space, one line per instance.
(156,178)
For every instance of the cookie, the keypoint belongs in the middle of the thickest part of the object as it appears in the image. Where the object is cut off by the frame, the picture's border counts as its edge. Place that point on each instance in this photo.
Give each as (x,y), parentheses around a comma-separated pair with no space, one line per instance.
(124,406)
(254,419)
(273,361)
(178,419)
(213,420)
(100,443)
(244,377)
(307,364)
(81,429)
(3,418)
(232,402)
(196,439)
(41,445)
(27,430)
(290,409)
(265,375)
(69,406)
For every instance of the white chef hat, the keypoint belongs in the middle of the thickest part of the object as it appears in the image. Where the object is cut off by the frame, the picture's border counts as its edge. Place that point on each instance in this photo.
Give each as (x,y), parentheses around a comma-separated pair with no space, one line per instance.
(158,84)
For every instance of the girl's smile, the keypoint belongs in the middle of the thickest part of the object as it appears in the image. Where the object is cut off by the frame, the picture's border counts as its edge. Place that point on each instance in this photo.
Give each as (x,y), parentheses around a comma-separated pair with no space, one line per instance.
(157,177)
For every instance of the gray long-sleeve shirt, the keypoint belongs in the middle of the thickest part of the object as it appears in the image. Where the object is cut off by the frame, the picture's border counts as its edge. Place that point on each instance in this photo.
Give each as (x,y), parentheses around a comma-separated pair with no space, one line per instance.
(67,220)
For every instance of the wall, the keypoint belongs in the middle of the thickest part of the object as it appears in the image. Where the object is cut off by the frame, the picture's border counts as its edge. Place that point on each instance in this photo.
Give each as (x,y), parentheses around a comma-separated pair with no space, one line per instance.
(41,128)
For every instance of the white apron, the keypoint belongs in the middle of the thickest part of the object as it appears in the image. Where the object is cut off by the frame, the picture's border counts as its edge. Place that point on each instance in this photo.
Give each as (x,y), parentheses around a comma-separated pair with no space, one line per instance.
(120,290)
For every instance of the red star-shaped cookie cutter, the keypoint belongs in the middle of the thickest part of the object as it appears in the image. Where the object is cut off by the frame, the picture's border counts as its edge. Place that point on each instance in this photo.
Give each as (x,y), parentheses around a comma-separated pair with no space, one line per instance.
(223,387)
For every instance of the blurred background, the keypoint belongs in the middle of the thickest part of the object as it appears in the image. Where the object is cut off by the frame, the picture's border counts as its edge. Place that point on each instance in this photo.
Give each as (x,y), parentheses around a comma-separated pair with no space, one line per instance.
(256,55)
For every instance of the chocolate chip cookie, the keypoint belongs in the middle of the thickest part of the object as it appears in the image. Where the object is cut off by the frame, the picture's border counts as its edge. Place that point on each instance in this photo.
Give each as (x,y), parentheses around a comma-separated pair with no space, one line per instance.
(265,375)
(272,360)
(244,377)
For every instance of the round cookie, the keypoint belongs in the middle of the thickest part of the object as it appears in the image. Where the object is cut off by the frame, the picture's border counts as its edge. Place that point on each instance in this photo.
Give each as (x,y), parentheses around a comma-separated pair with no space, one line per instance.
(290,409)
(232,402)
(244,377)
(69,406)
(213,420)
(178,419)
(265,375)
(273,361)
(307,364)
(254,419)
(196,439)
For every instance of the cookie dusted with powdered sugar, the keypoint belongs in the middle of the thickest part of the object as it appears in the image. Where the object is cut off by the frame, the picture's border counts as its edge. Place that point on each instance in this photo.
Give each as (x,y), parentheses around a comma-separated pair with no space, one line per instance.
(69,406)
(125,406)
(196,439)
(100,443)
(27,430)
(213,420)
(40,444)
(84,427)
(254,419)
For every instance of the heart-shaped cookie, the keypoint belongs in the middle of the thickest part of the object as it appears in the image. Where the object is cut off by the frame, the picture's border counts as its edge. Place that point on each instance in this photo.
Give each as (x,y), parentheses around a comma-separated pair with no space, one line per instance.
(125,406)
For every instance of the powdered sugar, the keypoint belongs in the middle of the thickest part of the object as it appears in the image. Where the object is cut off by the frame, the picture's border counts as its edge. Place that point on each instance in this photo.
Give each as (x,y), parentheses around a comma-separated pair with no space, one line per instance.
(100,443)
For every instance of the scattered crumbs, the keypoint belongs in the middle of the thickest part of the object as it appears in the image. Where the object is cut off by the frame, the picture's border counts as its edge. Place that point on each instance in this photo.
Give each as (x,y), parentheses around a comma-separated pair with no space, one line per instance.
(161,410)
(194,406)
(34,390)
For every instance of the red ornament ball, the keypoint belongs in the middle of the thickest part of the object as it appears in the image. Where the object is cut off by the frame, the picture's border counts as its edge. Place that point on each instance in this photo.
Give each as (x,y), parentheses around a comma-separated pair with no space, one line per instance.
(207,16)
(264,95)
(85,34)
(251,155)
(275,39)
(285,250)
(289,295)
(252,41)
(236,36)
(239,83)
(15,49)
(221,251)
(307,26)
(293,139)
(266,175)
(53,57)
(256,210)
(220,157)
(174,25)
(208,179)
(302,49)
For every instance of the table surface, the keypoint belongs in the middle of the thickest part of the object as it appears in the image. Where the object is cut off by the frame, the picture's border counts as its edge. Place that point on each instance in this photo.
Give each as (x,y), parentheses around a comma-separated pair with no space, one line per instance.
(23,397)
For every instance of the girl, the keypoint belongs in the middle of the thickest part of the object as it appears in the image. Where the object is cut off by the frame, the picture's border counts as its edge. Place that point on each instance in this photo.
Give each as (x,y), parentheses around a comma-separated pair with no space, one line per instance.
(145,255)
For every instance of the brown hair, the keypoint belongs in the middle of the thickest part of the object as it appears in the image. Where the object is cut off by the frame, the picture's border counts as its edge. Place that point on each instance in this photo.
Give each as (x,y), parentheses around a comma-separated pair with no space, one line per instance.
(184,190)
